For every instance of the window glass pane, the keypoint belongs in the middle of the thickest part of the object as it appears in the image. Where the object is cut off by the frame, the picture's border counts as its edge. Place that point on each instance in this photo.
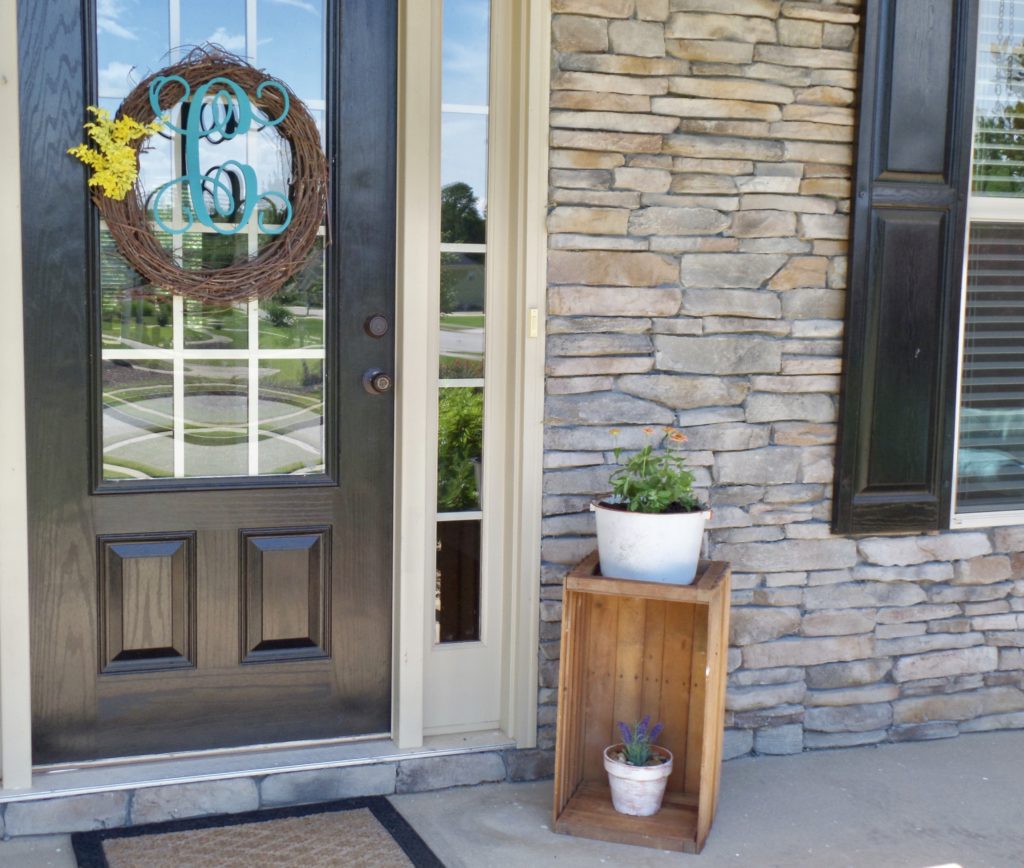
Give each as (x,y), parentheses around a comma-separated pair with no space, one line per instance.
(216,325)
(131,36)
(291,416)
(138,419)
(999,100)
(133,314)
(221,23)
(281,26)
(463,178)
(216,417)
(462,316)
(460,443)
(991,454)
(294,316)
(464,65)
(457,589)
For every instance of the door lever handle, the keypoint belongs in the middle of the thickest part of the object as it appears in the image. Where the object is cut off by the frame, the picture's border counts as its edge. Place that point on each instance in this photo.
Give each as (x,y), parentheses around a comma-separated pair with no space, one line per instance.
(378,382)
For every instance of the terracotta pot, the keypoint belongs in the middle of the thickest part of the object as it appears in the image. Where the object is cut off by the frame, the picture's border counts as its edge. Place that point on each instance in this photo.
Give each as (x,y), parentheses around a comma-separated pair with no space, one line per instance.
(637,790)
(653,547)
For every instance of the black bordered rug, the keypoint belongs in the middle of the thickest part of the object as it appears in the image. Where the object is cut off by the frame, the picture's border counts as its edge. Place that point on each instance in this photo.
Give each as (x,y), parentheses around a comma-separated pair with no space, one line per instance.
(353,833)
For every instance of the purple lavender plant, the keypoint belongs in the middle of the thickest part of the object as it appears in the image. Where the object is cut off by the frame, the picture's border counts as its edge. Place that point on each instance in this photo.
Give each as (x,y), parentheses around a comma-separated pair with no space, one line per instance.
(637,742)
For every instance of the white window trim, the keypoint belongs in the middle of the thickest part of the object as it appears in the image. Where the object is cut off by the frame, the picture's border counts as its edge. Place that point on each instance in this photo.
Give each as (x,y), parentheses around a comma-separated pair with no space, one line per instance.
(514,546)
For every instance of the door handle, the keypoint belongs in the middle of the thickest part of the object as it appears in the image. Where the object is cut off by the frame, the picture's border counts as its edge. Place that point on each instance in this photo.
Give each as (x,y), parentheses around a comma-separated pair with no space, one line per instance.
(378,382)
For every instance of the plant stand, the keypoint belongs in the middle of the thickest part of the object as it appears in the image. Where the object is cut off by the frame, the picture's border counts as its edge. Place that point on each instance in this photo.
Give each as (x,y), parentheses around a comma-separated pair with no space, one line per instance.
(631,648)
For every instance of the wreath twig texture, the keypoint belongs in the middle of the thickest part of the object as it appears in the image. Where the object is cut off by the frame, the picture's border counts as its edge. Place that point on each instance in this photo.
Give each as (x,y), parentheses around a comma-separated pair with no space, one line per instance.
(286,253)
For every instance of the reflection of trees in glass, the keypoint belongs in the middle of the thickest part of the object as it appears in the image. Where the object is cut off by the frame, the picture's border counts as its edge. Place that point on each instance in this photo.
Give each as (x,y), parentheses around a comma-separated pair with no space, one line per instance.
(999,137)
(461,223)
(460,419)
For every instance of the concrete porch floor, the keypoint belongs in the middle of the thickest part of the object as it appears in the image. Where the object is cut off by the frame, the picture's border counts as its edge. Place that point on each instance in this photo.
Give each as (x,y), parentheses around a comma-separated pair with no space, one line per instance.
(957,802)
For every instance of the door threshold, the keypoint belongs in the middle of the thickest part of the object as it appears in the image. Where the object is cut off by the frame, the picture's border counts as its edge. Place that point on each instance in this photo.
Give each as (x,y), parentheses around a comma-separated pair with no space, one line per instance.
(253,761)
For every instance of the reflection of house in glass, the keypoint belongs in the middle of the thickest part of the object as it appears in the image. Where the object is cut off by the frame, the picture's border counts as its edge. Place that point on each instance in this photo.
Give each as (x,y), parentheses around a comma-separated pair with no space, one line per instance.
(462,282)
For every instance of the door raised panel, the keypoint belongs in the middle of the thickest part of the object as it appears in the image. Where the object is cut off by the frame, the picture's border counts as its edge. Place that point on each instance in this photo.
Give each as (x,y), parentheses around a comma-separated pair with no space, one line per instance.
(286,594)
(147,602)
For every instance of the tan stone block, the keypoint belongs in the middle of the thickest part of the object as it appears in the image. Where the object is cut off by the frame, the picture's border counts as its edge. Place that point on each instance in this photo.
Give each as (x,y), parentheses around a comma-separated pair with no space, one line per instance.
(676,244)
(578,385)
(808,652)
(677,221)
(800,433)
(804,58)
(825,95)
(763,8)
(825,226)
(642,38)
(609,301)
(604,8)
(838,187)
(763,224)
(984,571)
(845,78)
(623,64)
(587,100)
(611,269)
(841,623)
(805,34)
(579,33)
(621,143)
(724,147)
(818,152)
(652,10)
(808,131)
(586,366)
(626,122)
(593,221)
(768,184)
(945,664)
(801,271)
(643,180)
(600,198)
(852,695)
(565,159)
(682,200)
(581,241)
(712,127)
(684,107)
(650,161)
(710,50)
(605,84)
(792,384)
(712,184)
(730,89)
(722,167)
(838,115)
(793,204)
(820,12)
(838,36)
(686,25)
(831,248)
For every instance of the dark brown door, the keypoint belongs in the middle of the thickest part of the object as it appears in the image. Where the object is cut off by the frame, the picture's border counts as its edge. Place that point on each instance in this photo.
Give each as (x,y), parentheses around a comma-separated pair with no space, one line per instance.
(210,484)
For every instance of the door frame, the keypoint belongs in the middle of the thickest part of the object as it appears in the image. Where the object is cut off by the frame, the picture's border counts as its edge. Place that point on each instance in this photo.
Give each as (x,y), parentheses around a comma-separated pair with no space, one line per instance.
(414,546)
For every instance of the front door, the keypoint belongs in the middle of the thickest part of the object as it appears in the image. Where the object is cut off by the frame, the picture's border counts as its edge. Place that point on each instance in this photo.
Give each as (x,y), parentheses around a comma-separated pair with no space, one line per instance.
(210,483)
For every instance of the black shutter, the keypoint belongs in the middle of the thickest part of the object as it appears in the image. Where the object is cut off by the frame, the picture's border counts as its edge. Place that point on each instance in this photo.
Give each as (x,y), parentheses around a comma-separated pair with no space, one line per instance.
(898,407)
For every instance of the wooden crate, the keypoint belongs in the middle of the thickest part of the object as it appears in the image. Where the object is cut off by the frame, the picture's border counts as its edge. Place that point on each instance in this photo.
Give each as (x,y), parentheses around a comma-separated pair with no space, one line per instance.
(631,648)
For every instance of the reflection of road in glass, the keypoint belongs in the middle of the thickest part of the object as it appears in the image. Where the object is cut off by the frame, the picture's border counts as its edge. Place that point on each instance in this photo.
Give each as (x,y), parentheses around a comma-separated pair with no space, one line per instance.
(138,422)
(464,342)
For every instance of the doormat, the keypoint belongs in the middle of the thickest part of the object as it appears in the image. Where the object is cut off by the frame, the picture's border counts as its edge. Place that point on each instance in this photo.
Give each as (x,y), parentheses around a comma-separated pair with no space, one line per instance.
(354,833)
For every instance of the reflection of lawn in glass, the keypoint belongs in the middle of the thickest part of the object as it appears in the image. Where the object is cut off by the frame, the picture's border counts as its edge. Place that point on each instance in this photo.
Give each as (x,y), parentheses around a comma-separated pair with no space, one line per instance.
(463,321)
(290,422)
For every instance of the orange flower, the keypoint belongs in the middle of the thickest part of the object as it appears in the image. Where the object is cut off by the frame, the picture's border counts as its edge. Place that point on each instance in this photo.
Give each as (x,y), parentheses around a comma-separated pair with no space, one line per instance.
(648,430)
(615,432)
(677,437)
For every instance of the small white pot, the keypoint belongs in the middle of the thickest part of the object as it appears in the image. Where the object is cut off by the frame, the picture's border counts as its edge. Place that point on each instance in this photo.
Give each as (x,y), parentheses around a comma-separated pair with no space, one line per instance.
(637,790)
(654,547)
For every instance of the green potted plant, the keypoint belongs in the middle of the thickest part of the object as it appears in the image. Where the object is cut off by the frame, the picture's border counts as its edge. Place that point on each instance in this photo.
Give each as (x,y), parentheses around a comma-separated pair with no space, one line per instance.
(637,769)
(652,525)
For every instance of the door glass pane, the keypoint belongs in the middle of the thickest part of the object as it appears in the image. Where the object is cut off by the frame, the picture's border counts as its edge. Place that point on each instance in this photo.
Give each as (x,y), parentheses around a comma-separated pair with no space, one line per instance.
(463,177)
(462,316)
(242,382)
(138,419)
(460,449)
(457,592)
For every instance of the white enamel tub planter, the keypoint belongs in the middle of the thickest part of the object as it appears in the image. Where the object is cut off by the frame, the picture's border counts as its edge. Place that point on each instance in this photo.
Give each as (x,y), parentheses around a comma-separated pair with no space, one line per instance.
(652,547)
(637,790)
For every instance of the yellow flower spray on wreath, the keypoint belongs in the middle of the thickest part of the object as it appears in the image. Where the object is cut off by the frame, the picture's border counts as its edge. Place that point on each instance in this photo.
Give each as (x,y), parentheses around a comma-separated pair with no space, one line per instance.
(113,160)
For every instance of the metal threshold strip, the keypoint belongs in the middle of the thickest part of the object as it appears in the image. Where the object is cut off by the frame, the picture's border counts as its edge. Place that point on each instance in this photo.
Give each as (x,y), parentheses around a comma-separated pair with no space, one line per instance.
(254,761)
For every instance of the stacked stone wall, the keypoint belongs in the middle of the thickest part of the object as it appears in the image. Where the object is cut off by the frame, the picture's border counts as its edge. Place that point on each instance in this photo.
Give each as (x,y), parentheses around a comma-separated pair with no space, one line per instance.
(701,157)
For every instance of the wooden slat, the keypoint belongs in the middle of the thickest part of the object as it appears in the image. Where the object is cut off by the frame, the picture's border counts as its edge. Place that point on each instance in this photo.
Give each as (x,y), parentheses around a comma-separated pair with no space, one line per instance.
(629,664)
(654,656)
(599,684)
(677,647)
(712,714)
(586,577)
(695,747)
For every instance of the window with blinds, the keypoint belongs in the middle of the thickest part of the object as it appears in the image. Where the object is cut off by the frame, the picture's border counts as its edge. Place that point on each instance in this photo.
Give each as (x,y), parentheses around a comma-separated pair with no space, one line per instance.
(990,455)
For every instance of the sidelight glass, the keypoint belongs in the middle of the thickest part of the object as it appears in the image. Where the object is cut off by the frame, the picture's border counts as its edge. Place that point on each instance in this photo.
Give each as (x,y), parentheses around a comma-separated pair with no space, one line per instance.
(211,389)
(463,325)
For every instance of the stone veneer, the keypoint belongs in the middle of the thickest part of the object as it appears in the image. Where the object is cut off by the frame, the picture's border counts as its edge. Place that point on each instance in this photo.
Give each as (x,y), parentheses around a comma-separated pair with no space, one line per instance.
(700,178)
